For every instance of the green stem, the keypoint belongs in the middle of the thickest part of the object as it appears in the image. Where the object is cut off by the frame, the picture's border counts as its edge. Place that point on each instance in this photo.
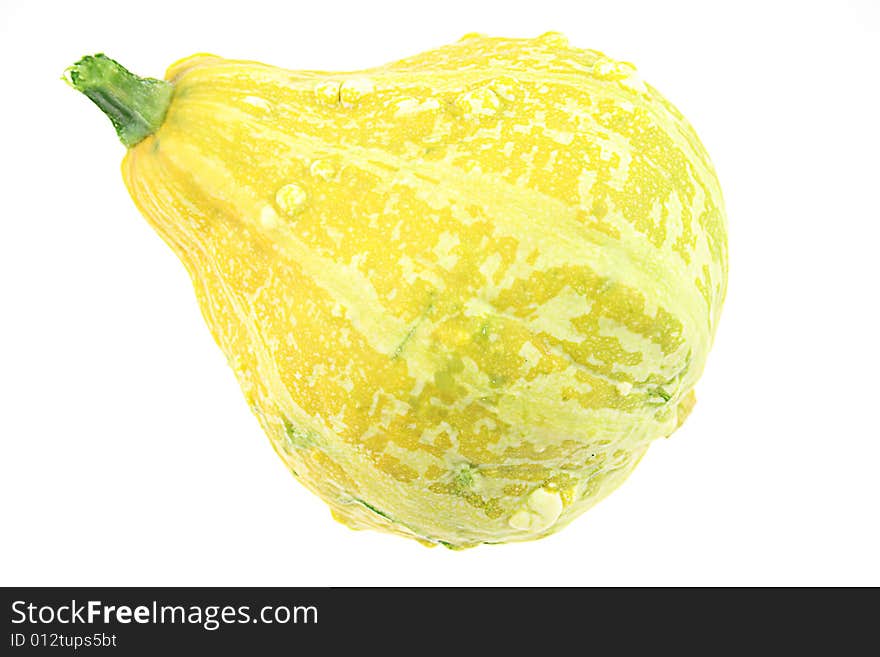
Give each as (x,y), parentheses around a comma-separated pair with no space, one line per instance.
(136,106)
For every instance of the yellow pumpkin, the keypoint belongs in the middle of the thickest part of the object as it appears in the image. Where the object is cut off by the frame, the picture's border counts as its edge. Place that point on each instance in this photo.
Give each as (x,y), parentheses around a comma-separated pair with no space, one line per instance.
(461,292)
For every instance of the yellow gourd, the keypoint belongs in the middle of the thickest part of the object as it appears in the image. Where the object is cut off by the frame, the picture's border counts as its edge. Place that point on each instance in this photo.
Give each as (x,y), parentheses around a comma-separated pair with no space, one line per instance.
(462,292)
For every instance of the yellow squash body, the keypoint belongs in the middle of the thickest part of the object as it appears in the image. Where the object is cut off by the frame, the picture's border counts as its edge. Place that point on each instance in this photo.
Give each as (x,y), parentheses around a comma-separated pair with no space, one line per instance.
(462,292)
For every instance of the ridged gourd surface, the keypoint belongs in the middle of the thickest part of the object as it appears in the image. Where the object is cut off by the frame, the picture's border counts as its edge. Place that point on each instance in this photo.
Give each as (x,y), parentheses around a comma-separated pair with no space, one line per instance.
(462,292)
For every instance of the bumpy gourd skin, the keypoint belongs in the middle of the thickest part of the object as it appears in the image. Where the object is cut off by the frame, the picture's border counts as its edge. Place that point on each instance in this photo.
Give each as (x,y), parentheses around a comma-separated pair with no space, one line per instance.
(462,292)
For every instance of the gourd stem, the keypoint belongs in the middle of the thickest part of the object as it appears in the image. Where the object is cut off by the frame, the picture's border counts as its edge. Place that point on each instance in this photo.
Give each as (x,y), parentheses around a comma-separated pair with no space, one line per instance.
(136,106)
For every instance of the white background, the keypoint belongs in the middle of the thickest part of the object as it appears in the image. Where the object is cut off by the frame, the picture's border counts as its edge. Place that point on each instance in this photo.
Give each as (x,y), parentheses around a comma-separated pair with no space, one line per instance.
(129,456)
